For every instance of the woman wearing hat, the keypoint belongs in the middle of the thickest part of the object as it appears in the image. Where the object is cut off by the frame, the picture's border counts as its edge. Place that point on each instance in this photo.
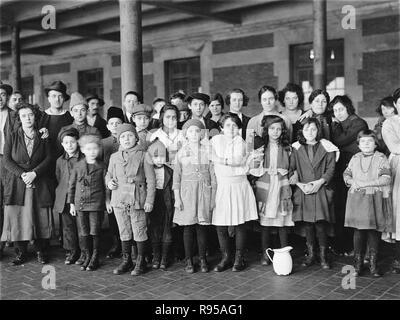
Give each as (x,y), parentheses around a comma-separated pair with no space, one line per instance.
(27,195)
(95,103)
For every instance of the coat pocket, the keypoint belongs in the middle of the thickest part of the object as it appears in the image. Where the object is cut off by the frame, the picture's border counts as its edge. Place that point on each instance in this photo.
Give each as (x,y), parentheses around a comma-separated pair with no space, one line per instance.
(142,194)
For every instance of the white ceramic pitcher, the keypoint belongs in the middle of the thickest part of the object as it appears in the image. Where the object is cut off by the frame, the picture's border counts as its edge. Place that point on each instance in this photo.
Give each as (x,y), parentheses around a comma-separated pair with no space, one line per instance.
(282,261)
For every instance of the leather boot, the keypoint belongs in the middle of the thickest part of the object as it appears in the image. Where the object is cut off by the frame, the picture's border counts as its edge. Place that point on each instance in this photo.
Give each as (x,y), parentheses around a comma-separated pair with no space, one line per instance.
(373,268)
(358,264)
(94,261)
(264,258)
(115,250)
(83,246)
(324,258)
(203,265)
(86,262)
(156,256)
(20,250)
(396,266)
(239,263)
(72,257)
(189,268)
(310,259)
(41,258)
(140,265)
(134,253)
(126,264)
(164,257)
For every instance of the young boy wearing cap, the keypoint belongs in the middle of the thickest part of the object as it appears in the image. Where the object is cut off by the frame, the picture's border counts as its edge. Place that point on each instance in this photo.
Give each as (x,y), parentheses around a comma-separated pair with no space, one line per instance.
(197,103)
(130,172)
(87,199)
(141,119)
(160,219)
(115,117)
(78,108)
(64,166)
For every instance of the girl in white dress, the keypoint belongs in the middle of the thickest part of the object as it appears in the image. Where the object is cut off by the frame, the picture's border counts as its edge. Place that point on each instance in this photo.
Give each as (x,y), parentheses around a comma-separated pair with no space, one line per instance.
(235,201)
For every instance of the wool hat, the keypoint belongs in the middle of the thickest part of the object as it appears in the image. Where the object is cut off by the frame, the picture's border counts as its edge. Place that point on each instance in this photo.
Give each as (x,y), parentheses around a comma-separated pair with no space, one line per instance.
(72,132)
(126,127)
(157,149)
(58,86)
(77,99)
(115,112)
(95,96)
(193,122)
(198,95)
(142,109)
(7,88)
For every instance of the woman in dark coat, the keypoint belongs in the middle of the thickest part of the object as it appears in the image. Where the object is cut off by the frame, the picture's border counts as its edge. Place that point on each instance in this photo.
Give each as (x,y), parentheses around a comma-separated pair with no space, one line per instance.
(345,127)
(27,197)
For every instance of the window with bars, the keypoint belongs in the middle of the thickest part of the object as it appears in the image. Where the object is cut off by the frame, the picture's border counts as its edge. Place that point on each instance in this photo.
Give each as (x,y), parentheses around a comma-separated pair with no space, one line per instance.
(182,75)
(301,60)
(91,82)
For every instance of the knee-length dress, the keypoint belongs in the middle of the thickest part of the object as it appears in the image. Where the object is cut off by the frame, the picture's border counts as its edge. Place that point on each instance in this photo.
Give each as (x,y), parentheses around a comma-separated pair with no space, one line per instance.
(235,200)
(195,179)
(391,137)
(369,207)
(317,206)
(273,192)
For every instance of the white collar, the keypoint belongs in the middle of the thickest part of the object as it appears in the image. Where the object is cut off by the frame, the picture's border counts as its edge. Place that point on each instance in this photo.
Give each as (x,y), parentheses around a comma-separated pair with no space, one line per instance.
(49,112)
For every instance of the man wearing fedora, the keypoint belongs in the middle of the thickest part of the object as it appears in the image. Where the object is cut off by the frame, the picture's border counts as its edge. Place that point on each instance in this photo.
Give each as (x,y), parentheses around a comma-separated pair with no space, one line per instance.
(94,119)
(197,102)
(6,119)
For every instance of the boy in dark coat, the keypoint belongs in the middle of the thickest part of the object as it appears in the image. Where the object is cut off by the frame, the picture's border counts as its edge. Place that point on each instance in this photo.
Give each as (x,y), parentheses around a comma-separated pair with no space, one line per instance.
(115,117)
(161,217)
(87,197)
(64,166)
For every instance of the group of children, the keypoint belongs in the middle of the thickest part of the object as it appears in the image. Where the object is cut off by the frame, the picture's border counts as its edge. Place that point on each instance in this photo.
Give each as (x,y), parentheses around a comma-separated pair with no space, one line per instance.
(162,172)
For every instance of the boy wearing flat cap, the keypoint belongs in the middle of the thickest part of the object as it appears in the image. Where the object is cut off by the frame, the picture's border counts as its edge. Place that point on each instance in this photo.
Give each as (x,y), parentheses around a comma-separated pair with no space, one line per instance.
(64,166)
(141,118)
(131,179)
(197,103)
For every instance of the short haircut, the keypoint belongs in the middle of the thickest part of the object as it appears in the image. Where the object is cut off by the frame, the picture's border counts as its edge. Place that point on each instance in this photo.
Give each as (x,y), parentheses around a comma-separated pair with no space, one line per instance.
(264,89)
(316,93)
(165,109)
(309,121)
(292,87)
(345,101)
(138,95)
(157,100)
(177,95)
(89,138)
(387,102)
(219,98)
(396,95)
(25,105)
(367,134)
(236,90)
(235,118)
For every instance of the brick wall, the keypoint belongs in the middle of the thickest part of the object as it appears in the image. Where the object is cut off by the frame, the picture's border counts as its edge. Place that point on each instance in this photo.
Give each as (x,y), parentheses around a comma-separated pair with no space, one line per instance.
(380,25)
(379,76)
(247,77)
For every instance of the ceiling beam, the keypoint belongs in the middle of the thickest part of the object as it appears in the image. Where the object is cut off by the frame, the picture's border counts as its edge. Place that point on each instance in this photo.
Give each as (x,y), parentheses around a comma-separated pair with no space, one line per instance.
(196,11)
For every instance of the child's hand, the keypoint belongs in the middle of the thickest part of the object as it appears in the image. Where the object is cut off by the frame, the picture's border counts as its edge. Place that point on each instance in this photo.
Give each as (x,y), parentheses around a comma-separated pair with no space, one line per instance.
(109,208)
(72,210)
(112,184)
(44,132)
(294,178)
(148,207)
(314,186)
(28,177)
(178,204)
